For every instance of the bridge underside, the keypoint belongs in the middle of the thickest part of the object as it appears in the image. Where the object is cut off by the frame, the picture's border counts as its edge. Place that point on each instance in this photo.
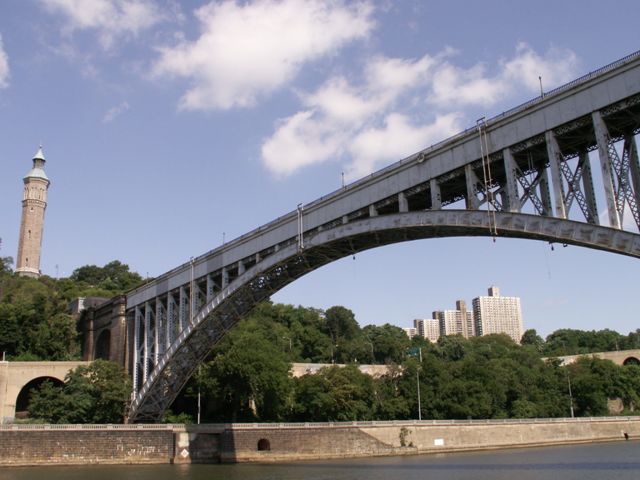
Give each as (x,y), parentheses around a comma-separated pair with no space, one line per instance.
(261,281)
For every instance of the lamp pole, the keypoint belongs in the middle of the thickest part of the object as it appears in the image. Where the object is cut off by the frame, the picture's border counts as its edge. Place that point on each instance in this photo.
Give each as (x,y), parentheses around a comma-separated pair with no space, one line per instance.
(418,385)
(570,395)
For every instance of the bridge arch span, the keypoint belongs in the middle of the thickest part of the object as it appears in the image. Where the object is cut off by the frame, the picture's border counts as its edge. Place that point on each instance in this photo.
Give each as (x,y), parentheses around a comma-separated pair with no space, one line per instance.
(325,246)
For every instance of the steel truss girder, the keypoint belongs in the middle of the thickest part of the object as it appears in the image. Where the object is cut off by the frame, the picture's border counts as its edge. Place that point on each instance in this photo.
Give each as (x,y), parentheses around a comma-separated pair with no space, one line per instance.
(530,190)
(262,280)
(586,201)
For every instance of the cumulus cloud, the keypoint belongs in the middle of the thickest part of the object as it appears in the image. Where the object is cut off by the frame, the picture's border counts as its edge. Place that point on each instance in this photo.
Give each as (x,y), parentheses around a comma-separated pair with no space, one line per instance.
(246,50)
(396,139)
(474,86)
(112,19)
(115,112)
(4,66)
(400,106)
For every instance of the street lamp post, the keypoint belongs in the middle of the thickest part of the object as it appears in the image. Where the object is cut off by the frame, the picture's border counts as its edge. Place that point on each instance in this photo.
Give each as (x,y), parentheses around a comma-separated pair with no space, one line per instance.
(570,395)
(418,385)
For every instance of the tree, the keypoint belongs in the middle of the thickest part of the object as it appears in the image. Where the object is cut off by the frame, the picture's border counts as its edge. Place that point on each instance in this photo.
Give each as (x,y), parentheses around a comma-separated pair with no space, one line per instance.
(340,324)
(114,277)
(249,378)
(97,393)
(5,263)
(531,337)
(334,394)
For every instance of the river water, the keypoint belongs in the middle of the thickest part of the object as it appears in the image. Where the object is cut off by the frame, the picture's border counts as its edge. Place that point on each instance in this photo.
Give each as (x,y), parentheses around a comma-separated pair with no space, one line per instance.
(606,461)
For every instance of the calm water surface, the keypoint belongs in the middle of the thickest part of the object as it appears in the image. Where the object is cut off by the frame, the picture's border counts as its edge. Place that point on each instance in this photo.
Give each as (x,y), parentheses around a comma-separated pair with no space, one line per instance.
(609,461)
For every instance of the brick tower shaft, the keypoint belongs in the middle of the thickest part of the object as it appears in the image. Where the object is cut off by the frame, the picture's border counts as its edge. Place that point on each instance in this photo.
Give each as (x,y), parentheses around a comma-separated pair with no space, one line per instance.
(34,204)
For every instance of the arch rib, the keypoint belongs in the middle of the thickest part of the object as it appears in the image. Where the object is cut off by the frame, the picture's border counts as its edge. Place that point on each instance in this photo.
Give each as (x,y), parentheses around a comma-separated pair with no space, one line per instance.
(271,274)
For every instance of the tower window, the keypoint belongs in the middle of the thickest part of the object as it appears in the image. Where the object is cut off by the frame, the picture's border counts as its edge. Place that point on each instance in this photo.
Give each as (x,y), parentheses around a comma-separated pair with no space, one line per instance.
(29,234)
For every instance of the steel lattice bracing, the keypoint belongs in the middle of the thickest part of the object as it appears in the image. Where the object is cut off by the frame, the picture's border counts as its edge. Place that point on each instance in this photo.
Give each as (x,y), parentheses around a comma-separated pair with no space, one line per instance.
(526,173)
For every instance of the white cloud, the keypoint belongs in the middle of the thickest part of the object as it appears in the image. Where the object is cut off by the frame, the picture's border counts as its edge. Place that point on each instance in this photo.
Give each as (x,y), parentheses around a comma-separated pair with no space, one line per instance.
(250,49)
(401,106)
(112,19)
(115,112)
(557,66)
(472,86)
(396,139)
(299,141)
(4,66)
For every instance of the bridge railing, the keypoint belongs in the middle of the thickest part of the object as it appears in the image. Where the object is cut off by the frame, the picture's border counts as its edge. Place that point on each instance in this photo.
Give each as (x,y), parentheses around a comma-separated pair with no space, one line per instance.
(297,425)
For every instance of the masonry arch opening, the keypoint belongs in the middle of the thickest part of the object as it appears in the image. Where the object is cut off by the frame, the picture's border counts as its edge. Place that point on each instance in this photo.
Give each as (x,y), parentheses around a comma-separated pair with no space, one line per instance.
(103,345)
(26,393)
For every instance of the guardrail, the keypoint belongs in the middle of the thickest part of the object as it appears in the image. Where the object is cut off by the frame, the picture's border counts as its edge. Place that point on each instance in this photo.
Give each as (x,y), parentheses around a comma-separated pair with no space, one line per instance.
(294,425)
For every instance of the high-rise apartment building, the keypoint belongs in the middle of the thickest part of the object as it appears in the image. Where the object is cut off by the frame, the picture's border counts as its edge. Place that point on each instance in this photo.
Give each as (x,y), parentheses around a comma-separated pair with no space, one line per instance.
(496,314)
(456,322)
(34,203)
(428,328)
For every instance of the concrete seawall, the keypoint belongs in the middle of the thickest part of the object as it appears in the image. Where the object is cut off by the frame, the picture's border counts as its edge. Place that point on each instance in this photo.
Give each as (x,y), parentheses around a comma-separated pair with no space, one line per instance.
(138,444)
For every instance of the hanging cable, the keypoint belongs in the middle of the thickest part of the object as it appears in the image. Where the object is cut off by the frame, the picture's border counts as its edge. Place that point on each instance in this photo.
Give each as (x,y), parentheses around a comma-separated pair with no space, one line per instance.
(486,173)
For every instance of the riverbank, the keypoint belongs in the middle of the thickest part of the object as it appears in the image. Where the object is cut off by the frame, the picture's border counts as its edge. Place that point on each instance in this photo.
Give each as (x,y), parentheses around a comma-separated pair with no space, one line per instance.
(239,443)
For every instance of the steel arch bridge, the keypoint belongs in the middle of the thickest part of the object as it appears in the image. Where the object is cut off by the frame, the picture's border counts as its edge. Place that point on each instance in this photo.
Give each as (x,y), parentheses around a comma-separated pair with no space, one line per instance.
(516,175)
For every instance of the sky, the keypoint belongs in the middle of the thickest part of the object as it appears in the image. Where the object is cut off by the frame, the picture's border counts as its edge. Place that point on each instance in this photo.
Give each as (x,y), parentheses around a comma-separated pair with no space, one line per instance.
(169,126)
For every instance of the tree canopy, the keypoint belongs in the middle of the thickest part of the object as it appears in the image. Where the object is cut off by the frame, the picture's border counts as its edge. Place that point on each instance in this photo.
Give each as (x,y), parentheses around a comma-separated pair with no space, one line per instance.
(35,323)
(97,393)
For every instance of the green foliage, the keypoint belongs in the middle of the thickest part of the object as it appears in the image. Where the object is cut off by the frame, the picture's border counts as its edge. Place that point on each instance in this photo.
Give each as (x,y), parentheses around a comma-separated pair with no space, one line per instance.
(248,377)
(483,377)
(97,393)
(334,394)
(531,338)
(114,278)
(575,342)
(34,319)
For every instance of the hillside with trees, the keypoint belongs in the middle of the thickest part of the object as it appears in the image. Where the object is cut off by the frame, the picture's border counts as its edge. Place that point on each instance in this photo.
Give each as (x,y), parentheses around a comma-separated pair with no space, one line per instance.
(247,375)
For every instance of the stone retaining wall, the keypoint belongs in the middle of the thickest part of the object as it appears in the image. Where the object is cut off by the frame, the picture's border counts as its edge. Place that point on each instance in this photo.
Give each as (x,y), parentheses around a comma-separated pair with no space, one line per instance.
(114,444)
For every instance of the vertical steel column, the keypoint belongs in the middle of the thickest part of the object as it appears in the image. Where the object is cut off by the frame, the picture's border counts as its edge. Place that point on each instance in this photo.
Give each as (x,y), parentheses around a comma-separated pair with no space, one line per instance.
(183,310)
(555,157)
(147,343)
(373,211)
(545,194)
(587,185)
(513,200)
(602,137)
(436,202)
(210,288)
(631,149)
(160,329)
(403,204)
(471,179)
(171,320)
(241,268)
(225,278)
(136,348)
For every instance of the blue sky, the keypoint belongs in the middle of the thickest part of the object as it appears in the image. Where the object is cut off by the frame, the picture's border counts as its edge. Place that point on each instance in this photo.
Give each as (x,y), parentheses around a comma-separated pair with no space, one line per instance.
(167,125)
